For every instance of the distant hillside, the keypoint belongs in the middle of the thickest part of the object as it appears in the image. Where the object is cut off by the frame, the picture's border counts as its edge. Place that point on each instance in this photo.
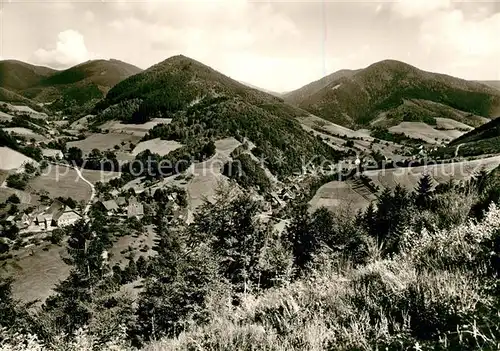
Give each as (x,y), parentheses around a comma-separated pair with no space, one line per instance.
(484,132)
(17,76)
(307,91)
(484,140)
(492,83)
(206,104)
(261,89)
(69,88)
(358,98)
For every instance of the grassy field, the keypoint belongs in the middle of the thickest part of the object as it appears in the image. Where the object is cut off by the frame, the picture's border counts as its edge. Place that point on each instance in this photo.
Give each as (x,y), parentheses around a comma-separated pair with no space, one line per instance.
(157,146)
(62,181)
(35,276)
(315,122)
(335,195)
(10,159)
(25,132)
(99,176)
(449,123)
(420,130)
(137,243)
(5,117)
(134,129)
(103,142)
(207,175)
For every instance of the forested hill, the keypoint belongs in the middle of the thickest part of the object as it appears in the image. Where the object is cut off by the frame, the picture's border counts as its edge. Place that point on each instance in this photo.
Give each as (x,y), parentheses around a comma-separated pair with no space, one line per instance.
(205,104)
(360,98)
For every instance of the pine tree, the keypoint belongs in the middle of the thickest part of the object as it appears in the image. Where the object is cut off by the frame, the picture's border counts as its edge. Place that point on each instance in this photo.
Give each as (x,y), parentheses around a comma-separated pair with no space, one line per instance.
(369,219)
(423,192)
(301,237)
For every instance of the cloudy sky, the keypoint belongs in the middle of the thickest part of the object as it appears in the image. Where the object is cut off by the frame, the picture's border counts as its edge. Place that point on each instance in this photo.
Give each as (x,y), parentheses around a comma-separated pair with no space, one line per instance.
(275,45)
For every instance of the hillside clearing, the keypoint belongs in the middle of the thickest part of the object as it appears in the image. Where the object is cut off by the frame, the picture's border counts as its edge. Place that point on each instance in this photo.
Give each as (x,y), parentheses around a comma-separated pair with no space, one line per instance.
(103,142)
(35,276)
(134,129)
(157,146)
(335,129)
(420,130)
(5,117)
(11,159)
(335,195)
(62,181)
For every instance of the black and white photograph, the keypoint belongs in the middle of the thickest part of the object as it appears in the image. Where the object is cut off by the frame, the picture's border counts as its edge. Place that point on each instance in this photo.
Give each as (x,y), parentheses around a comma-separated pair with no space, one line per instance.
(225,175)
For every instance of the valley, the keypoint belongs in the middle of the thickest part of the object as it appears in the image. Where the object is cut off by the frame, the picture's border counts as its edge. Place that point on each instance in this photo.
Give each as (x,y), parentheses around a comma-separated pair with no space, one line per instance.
(107,153)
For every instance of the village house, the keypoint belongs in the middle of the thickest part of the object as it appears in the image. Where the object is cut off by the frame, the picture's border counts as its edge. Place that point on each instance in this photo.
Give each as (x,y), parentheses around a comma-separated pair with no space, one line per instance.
(135,208)
(110,206)
(66,218)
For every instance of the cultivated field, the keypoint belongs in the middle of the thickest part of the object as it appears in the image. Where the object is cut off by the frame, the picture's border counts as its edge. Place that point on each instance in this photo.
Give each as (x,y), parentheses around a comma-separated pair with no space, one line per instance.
(335,195)
(11,159)
(103,142)
(134,129)
(62,181)
(157,146)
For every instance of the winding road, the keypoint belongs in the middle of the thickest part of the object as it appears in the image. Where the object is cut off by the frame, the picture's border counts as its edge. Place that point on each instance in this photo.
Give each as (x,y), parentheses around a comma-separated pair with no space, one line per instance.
(456,150)
(80,175)
(89,203)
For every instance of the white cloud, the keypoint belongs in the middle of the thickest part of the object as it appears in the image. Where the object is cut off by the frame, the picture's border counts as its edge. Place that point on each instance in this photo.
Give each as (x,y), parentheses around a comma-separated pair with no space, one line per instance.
(69,50)
(469,45)
(419,8)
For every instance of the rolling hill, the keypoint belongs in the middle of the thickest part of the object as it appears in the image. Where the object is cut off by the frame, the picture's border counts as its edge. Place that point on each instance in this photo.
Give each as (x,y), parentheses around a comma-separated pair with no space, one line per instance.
(205,105)
(382,91)
(17,76)
(71,87)
(297,96)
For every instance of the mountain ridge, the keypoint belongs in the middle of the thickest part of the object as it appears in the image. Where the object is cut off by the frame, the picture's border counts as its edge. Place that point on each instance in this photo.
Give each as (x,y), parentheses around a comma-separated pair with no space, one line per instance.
(354,100)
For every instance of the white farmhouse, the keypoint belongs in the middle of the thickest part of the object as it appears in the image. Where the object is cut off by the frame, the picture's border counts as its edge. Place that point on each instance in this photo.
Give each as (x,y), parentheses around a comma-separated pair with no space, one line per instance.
(66,218)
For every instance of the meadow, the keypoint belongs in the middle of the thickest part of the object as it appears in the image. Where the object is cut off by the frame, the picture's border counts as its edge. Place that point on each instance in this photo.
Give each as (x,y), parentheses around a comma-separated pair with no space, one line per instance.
(103,142)
(61,181)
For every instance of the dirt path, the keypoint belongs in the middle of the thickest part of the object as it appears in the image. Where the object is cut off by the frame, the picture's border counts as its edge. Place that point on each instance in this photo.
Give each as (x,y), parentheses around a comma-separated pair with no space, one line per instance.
(92,195)
(456,150)
(89,203)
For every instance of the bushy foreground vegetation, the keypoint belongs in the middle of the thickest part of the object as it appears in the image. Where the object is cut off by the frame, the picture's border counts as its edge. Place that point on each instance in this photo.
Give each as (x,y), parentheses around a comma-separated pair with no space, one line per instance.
(415,271)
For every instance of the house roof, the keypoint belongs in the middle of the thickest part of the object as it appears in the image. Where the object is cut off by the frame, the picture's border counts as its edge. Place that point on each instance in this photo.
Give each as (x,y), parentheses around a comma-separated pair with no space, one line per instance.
(10,218)
(121,201)
(110,205)
(55,207)
(69,214)
(135,209)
